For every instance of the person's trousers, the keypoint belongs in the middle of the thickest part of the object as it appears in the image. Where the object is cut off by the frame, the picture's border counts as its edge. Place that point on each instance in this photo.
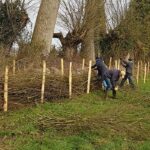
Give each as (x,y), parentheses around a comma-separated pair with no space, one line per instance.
(114,93)
(129,77)
(107,84)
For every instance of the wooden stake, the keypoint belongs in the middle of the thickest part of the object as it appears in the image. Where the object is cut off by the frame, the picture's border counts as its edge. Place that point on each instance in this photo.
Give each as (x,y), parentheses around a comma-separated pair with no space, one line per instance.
(83,64)
(62,67)
(89,77)
(141,68)
(127,57)
(138,72)
(110,62)
(116,64)
(43,81)
(145,71)
(148,68)
(6,90)
(70,80)
(14,67)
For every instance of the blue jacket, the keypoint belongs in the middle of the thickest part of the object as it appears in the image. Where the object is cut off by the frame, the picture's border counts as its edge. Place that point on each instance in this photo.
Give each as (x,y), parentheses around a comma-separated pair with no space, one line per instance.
(114,76)
(102,68)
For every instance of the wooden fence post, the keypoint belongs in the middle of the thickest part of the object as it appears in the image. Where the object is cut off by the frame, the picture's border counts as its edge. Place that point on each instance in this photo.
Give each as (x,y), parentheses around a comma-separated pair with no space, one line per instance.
(70,80)
(110,62)
(148,68)
(127,57)
(6,90)
(138,71)
(14,67)
(89,77)
(83,64)
(43,81)
(62,67)
(116,64)
(145,72)
(141,68)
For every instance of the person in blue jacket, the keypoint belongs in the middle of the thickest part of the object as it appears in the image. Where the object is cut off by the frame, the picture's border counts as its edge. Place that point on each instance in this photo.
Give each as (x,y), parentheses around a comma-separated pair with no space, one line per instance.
(103,74)
(128,65)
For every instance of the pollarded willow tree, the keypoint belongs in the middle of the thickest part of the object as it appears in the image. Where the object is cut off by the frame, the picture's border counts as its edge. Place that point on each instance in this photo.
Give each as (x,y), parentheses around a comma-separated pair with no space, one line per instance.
(13,19)
(113,41)
(82,23)
(129,28)
(73,17)
(44,27)
(140,25)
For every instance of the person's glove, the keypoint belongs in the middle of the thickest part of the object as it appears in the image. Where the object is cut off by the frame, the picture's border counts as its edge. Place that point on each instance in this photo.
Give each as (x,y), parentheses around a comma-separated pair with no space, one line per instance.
(116,88)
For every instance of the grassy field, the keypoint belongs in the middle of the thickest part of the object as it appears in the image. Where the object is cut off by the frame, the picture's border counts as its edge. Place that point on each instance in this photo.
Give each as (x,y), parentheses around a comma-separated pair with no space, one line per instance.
(85,123)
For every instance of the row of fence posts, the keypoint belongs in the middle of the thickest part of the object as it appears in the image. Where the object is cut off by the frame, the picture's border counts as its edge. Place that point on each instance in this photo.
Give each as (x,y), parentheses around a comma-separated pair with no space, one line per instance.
(117,63)
(117,66)
(5,106)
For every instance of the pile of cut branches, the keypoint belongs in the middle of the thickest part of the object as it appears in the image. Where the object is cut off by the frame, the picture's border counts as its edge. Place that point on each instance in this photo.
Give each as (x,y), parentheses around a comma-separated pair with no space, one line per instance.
(25,86)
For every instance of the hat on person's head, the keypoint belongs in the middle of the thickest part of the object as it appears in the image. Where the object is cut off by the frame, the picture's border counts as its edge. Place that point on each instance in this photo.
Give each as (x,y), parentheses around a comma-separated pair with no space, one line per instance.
(97,57)
(130,59)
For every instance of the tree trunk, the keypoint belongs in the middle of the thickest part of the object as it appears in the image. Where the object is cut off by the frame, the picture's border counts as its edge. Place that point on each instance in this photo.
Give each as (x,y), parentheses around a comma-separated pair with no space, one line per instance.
(45,24)
(69,45)
(88,50)
(69,53)
(100,25)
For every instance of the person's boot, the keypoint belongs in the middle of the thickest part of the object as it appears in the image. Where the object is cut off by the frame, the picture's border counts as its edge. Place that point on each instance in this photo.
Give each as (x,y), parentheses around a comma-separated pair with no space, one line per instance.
(114,94)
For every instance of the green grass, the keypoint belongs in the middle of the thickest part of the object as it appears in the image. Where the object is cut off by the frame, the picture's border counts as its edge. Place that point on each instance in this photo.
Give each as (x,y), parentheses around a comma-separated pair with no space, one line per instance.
(85,123)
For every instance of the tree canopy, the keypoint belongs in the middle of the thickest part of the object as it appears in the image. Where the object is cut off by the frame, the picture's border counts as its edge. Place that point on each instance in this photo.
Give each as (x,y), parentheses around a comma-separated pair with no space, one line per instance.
(13,19)
(132,32)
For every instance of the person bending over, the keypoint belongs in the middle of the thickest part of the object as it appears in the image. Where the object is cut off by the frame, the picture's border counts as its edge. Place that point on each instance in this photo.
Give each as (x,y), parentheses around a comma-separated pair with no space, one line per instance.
(114,76)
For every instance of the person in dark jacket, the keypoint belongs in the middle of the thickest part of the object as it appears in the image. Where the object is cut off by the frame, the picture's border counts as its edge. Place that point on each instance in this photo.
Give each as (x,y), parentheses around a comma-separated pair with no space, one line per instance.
(114,76)
(102,73)
(101,67)
(129,67)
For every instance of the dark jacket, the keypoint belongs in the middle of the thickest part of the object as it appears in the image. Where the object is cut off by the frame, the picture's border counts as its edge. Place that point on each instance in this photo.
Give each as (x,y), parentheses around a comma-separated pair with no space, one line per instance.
(102,68)
(128,66)
(114,76)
